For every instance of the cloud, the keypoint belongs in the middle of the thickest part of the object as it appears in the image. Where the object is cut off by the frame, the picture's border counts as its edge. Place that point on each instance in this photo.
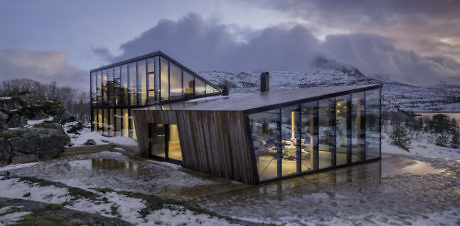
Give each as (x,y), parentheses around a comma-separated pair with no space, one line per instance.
(43,66)
(206,45)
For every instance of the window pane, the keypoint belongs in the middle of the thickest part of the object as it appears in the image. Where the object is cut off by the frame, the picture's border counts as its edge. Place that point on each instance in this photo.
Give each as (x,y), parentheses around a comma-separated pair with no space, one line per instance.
(158,139)
(106,122)
(104,87)
(200,87)
(265,127)
(93,88)
(99,88)
(132,84)
(151,80)
(164,86)
(289,132)
(341,130)
(110,87)
(308,136)
(373,124)
(125,128)
(325,156)
(124,84)
(111,122)
(94,119)
(357,132)
(142,82)
(118,121)
(174,149)
(189,84)
(99,120)
(175,81)
(132,131)
(118,93)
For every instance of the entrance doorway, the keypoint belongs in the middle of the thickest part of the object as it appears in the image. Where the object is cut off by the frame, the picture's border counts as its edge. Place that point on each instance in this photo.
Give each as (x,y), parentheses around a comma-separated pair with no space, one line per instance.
(164,143)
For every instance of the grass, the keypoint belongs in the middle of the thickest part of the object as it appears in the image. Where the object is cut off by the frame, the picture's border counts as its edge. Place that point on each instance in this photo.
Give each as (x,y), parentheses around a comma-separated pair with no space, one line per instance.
(41,220)
(53,206)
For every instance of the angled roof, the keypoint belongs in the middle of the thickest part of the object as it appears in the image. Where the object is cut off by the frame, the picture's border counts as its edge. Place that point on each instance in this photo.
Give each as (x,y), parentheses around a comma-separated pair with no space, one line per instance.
(262,101)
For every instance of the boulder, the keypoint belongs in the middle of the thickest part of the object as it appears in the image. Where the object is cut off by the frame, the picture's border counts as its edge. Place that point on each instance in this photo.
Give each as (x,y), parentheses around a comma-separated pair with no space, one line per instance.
(32,144)
(4,120)
(90,142)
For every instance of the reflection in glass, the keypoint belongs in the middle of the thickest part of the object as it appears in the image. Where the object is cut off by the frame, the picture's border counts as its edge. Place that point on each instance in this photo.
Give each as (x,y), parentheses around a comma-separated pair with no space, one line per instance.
(99,87)
(117,86)
(125,129)
(307,136)
(164,67)
(373,124)
(142,82)
(94,120)
(110,87)
(132,131)
(99,120)
(175,81)
(104,87)
(111,122)
(158,140)
(265,135)
(124,84)
(132,83)
(106,122)
(118,121)
(325,156)
(93,88)
(188,84)
(200,88)
(341,130)
(289,137)
(151,80)
(174,149)
(357,132)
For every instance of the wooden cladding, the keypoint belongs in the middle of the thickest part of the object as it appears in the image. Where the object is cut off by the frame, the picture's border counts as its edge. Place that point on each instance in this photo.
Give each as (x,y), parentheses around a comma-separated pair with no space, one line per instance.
(214,142)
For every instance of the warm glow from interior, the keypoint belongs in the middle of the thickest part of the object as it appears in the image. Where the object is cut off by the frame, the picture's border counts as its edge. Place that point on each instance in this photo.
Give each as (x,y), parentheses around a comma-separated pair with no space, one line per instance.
(292,125)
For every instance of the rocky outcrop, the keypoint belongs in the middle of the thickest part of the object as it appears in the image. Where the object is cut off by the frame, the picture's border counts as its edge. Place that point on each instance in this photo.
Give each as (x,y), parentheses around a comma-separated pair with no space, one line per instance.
(32,144)
(20,142)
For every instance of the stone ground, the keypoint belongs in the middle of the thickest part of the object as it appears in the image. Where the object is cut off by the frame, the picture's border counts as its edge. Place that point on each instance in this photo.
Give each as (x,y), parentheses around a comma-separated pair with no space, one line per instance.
(398,190)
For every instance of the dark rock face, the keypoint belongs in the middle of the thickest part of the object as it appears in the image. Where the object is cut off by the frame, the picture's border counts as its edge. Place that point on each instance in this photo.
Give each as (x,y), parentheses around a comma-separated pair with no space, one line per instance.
(32,144)
(90,142)
(26,143)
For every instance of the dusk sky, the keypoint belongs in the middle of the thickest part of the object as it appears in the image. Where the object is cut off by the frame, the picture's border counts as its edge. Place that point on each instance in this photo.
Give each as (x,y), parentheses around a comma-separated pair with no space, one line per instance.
(413,41)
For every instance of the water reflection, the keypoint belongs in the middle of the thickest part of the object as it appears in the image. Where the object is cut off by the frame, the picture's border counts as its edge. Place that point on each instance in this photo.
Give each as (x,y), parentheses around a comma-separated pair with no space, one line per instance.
(127,167)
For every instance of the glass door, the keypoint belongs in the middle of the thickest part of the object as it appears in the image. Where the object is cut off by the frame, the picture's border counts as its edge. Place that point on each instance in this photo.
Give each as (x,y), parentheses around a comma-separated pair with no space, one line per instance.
(157,140)
(164,142)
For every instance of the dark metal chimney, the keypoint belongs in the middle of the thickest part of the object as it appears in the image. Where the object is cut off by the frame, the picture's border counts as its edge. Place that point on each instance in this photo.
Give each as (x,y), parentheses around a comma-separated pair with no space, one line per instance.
(264,82)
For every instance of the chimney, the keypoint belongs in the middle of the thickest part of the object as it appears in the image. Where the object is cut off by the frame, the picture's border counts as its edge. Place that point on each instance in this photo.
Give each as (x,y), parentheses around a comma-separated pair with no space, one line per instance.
(225,88)
(264,82)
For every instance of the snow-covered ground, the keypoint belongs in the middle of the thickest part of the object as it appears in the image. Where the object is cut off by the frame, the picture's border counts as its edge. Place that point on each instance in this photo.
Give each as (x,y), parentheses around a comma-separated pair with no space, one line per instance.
(86,134)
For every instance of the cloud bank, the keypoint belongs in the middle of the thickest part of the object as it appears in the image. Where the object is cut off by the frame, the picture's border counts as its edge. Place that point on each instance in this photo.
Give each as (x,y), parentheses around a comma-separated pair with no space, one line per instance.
(42,66)
(206,45)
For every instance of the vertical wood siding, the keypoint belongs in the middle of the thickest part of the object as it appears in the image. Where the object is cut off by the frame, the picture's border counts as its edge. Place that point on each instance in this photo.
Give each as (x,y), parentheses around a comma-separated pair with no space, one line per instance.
(214,142)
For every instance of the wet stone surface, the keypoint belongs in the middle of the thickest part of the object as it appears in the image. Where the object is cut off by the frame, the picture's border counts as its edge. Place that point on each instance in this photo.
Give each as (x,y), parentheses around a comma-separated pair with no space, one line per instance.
(397,190)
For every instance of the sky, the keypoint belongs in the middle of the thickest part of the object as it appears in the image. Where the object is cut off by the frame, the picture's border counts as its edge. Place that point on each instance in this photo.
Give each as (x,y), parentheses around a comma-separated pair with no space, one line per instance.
(413,41)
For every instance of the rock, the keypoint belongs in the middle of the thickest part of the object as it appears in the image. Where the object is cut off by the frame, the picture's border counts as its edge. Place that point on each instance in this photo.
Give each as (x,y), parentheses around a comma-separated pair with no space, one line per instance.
(75,128)
(17,120)
(4,120)
(24,158)
(66,117)
(32,144)
(90,142)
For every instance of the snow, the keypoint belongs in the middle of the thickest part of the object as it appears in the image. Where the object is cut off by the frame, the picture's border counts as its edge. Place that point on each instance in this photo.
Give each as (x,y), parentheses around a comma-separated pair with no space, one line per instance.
(17,166)
(12,218)
(176,215)
(5,98)
(86,134)
(40,121)
(16,189)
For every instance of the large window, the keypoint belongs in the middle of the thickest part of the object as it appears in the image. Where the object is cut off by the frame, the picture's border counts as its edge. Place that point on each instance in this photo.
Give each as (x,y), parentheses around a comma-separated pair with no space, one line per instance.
(117,86)
(289,137)
(372,124)
(309,138)
(265,127)
(142,82)
(124,85)
(151,80)
(188,84)
(175,81)
(132,83)
(341,132)
(325,154)
(357,131)
(104,87)
(93,88)
(200,87)
(164,77)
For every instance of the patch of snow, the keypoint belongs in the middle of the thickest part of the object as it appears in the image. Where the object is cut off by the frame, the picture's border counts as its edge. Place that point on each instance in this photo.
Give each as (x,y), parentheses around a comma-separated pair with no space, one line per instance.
(16,189)
(166,164)
(12,218)
(86,134)
(5,98)
(17,166)
(175,215)
(40,121)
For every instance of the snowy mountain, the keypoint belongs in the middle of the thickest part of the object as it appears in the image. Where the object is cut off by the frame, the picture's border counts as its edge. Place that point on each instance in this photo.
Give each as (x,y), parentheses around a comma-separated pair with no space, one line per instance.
(329,73)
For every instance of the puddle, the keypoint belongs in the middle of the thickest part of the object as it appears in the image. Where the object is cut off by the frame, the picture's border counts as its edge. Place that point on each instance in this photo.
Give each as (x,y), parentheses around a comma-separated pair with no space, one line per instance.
(126,167)
(394,167)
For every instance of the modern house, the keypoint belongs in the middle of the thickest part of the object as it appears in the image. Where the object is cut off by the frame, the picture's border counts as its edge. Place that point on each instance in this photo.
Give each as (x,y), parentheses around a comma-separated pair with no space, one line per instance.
(253,137)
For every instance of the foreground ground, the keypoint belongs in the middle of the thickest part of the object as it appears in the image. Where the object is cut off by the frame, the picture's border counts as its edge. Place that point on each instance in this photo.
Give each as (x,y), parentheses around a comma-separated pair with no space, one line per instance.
(398,190)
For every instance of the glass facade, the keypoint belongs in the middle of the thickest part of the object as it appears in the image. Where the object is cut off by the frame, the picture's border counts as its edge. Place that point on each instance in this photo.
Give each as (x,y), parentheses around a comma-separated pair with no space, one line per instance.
(316,135)
(144,81)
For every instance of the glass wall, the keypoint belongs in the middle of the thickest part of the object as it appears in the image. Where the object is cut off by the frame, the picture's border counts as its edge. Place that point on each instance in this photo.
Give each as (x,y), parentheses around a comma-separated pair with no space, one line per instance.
(265,129)
(372,124)
(316,135)
(149,81)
